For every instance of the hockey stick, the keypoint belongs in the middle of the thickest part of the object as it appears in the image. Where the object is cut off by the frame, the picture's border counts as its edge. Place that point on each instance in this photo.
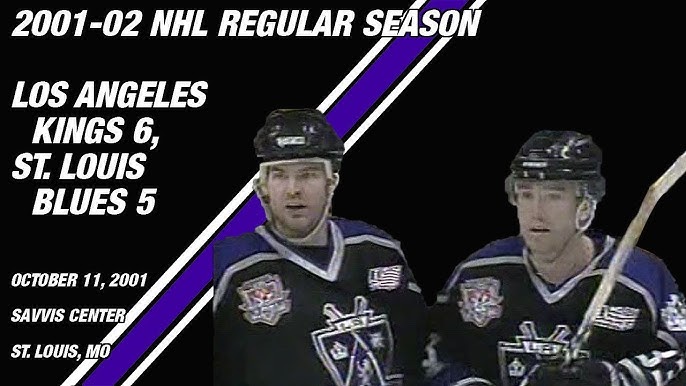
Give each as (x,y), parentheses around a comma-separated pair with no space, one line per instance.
(656,190)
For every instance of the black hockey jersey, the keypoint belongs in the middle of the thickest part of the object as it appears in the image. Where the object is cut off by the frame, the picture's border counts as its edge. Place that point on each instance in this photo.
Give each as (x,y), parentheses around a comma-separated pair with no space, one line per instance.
(352,316)
(496,319)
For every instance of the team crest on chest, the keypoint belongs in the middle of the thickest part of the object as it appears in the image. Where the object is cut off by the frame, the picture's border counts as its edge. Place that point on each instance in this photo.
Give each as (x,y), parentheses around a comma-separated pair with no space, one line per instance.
(480,301)
(519,358)
(674,314)
(264,299)
(356,348)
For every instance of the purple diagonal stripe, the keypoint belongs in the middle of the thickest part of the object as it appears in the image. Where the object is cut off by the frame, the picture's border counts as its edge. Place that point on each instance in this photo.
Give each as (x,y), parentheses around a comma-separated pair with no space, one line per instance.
(361,96)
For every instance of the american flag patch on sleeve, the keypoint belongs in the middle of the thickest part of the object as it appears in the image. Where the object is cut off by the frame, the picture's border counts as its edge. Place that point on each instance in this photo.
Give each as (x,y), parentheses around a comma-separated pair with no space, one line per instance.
(617,318)
(385,278)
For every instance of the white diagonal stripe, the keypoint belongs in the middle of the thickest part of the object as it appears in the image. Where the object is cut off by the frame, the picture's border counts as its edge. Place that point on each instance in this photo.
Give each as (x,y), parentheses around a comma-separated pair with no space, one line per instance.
(169,338)
(348,144)
(242,195)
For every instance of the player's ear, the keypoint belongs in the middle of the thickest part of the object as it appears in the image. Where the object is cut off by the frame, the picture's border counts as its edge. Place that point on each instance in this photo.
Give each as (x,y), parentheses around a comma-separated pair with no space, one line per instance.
(584,210)
(333,182)
(511,198)
(585,213)
(258,187)
(510,190)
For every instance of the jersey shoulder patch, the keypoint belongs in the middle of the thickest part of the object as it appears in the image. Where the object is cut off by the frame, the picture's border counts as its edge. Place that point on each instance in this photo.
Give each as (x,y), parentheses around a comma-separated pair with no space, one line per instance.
(352,228)
(510,246)
(233,249)
(644,268)
(502,251)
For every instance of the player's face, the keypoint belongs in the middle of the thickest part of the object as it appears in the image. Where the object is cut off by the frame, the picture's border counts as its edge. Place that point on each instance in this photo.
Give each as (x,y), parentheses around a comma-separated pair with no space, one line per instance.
(297,197)
(547,214)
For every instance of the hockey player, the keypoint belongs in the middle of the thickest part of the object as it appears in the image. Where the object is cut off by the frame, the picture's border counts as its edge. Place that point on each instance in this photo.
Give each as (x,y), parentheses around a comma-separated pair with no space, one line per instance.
(507,313)
(308,299)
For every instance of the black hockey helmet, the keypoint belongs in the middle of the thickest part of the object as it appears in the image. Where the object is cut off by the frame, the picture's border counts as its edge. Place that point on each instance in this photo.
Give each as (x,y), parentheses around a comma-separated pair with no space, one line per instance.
(298,133)
(558,155)
(561,155)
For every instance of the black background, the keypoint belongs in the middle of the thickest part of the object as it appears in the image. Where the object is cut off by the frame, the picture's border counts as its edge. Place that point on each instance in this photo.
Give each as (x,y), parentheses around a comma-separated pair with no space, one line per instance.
(429,171)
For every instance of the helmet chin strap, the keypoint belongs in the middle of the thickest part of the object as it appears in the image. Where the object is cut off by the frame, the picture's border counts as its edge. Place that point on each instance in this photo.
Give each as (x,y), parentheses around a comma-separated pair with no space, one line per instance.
(309,238)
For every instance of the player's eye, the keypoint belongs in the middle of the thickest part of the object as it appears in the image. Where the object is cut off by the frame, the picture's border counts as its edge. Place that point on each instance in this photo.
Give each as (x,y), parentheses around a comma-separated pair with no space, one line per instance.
(308,174)
(525,195)
(278,175)
(554,196)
